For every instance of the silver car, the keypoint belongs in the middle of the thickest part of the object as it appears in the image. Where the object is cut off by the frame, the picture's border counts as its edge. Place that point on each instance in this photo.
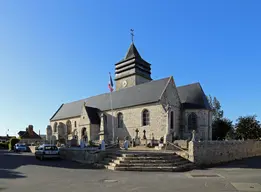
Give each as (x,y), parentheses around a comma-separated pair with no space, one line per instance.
(47,151)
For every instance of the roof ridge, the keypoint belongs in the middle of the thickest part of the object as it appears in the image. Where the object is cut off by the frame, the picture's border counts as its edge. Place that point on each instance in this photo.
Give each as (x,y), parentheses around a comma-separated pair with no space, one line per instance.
(141,94)
(189,84)
(120,90)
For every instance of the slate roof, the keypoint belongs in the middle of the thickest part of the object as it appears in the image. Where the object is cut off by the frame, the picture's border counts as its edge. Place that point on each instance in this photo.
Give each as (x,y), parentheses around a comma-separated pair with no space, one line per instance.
(133,53)
(141,94)
(191,96)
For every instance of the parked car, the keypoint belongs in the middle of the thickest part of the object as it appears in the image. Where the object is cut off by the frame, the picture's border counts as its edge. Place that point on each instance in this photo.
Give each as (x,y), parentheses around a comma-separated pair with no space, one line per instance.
(47,151)
(19,147)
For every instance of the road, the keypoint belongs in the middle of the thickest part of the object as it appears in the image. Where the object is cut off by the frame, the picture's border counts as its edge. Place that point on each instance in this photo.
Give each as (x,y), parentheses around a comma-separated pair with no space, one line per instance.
(22,172)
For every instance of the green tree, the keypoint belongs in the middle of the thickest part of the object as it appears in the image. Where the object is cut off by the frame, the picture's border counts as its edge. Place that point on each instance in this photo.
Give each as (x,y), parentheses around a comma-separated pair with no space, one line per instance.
(248,127)
(216,108)
(231,134)
(221,128)
(12,142)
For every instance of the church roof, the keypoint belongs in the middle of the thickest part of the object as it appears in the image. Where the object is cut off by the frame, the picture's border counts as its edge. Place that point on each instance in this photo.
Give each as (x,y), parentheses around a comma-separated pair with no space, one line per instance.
(191,96)
(137,95)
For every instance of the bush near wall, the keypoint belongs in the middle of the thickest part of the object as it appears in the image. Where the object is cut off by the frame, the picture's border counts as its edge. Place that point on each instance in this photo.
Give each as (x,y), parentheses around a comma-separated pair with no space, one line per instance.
(12,142)
(4,145)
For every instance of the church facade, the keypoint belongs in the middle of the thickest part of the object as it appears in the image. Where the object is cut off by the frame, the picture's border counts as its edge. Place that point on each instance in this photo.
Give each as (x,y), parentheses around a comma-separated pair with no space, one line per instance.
(138,104)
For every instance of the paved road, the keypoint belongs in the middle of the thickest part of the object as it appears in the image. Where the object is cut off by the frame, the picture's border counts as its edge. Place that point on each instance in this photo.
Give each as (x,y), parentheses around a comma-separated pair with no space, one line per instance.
(22,172)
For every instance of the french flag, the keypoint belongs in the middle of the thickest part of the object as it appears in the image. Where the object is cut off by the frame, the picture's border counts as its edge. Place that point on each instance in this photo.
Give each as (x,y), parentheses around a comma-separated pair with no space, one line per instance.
(110,85)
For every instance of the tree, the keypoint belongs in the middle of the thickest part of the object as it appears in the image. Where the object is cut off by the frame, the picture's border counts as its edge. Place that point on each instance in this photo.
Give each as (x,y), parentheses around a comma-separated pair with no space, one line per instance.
(221,128)
(216,107)
(12,142)
(231,134)
(248,127)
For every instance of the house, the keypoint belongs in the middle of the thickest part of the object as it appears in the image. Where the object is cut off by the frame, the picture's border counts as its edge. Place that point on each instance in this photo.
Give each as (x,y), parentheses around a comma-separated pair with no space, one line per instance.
(29,136)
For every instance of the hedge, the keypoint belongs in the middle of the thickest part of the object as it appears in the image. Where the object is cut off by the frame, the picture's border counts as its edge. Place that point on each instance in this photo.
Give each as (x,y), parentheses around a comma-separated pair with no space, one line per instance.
(12,142)
(4,145)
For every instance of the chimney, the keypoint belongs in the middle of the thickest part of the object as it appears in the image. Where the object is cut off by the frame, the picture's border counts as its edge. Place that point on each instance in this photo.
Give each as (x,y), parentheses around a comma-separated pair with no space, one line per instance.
(39,132)
(31,130)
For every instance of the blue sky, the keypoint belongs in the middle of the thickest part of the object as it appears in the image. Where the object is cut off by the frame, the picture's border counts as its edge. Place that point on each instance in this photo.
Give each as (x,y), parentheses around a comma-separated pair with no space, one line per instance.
(53,52)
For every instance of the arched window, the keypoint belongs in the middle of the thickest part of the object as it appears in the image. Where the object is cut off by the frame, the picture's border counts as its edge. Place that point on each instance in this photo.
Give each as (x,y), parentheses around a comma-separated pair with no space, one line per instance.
(120,120)
(61,129)
(75,124)
(171,120)
(192,122)
(69,127)
(145,117)
(55,127)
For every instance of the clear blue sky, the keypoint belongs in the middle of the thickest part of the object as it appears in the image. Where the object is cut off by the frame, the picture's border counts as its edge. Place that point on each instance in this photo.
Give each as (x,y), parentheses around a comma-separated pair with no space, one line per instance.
(53,52)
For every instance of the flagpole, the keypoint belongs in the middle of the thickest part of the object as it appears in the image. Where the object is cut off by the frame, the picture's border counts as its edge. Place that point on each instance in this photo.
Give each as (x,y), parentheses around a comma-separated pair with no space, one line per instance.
(112,119)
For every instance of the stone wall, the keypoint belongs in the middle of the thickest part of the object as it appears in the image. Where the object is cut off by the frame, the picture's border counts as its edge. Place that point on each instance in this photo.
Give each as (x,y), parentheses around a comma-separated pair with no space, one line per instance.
(170,96)
(84,155)
(214,152)
(204,124)
(74,121)
(182,143)
(132,120)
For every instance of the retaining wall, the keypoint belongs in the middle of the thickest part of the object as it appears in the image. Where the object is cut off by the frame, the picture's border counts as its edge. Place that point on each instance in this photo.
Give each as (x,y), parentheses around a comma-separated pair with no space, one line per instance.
(84,155)
(214,152)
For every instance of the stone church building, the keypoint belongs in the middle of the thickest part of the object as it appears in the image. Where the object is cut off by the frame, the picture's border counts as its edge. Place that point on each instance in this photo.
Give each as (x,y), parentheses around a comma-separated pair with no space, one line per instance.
(138,103)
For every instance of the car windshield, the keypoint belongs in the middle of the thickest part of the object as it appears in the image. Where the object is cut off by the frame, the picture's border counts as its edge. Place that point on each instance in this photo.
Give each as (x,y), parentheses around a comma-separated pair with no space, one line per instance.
(50,148)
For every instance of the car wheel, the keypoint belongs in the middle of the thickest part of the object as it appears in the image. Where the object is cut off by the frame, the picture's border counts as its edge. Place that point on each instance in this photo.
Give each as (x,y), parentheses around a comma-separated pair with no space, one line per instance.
(41,157)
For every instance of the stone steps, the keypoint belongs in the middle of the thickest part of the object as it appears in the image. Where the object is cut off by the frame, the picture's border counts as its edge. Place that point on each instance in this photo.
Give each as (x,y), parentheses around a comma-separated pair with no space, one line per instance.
(144,158)
(136,161)
(185,167)
(125,164)
(144,161)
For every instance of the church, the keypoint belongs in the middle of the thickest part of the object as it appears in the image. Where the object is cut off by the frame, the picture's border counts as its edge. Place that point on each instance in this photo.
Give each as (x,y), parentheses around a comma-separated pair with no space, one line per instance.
(139,104)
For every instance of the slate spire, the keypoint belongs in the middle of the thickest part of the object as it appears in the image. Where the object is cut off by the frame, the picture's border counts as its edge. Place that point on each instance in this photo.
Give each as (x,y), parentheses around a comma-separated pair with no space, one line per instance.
(132,69)
(132,52)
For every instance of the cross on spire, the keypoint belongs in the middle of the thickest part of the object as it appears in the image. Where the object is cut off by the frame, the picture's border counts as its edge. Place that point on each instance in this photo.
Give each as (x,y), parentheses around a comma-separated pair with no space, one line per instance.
(132,35)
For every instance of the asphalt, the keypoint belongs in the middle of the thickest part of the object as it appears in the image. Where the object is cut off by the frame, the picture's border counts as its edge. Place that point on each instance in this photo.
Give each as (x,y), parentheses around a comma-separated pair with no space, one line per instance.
(22,172)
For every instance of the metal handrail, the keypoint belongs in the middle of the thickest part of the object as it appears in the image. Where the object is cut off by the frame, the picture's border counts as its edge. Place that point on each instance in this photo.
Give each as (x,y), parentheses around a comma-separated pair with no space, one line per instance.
(176,147)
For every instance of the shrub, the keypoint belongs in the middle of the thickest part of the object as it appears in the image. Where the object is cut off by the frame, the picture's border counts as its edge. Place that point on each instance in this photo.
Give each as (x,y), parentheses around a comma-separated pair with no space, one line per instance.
(92,144)
(12,142)
(4,145)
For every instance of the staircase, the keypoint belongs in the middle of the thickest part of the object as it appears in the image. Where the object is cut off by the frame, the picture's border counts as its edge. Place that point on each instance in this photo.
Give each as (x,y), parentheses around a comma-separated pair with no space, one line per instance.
(147,161)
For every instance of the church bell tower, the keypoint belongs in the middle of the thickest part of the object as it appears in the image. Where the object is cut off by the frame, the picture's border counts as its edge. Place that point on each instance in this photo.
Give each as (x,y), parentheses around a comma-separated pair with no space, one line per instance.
(132,70)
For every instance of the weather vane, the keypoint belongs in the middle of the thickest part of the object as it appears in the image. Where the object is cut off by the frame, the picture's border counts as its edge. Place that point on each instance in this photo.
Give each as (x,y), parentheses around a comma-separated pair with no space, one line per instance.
(132,35)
